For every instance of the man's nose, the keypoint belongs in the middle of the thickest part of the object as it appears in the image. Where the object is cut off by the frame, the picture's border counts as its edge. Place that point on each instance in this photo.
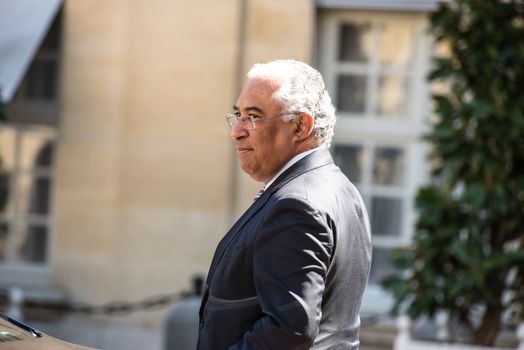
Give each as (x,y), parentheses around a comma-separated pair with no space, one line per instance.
(238,131)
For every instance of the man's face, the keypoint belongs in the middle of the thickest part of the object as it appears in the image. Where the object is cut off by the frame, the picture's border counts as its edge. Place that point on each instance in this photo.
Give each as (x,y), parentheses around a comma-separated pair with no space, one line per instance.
(264,150)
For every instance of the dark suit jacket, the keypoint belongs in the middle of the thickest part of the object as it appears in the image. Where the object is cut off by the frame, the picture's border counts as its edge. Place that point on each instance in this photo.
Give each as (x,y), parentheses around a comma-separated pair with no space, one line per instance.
(291,272)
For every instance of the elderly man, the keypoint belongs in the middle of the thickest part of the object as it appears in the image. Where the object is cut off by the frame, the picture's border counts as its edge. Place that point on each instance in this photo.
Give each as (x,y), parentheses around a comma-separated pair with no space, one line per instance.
(291,272)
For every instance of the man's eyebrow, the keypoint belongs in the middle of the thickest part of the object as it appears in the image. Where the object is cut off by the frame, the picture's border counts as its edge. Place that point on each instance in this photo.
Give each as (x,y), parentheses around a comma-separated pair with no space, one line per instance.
(250,109)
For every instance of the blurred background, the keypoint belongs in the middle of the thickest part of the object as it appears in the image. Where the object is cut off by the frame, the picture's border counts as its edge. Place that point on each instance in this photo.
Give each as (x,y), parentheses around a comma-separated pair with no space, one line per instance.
(117,174)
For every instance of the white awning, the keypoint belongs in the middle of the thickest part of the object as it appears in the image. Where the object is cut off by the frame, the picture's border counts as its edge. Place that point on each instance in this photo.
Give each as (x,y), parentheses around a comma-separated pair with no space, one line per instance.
(23,26)
(395,5)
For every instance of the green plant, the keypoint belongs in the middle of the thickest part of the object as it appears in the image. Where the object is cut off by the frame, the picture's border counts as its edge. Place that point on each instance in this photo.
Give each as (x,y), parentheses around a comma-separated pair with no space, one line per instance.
(467,256)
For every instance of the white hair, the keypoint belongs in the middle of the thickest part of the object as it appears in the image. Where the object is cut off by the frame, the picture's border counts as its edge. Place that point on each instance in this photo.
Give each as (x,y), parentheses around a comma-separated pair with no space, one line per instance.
(301,89)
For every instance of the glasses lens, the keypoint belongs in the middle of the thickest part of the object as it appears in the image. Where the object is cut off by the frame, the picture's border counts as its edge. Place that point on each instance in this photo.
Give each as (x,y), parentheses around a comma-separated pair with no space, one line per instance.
(246,122)
(231,120)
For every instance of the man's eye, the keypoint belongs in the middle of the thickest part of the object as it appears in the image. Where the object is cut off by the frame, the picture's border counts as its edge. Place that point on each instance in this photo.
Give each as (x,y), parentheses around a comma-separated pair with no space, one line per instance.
(253,117)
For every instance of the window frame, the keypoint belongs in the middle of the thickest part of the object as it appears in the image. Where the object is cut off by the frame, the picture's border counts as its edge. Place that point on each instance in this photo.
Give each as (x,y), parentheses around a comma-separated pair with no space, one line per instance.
(370,131)
(21,273)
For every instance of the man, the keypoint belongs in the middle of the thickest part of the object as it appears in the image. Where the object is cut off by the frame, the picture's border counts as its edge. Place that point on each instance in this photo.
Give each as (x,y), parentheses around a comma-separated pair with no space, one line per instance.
(291,272)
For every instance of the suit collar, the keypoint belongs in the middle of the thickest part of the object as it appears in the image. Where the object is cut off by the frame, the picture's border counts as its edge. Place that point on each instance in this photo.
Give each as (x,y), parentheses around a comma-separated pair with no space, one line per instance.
(312,161)
(290,163)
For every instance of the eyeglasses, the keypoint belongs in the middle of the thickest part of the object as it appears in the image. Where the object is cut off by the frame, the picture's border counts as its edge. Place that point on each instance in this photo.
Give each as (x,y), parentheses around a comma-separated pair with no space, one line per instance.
(248,122)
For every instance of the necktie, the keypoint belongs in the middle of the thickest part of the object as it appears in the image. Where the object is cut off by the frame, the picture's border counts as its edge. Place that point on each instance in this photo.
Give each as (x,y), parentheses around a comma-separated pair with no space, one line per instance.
(259,193)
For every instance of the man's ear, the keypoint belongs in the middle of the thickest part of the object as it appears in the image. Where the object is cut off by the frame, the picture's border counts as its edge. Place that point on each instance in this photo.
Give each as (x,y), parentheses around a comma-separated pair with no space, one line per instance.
(305,124)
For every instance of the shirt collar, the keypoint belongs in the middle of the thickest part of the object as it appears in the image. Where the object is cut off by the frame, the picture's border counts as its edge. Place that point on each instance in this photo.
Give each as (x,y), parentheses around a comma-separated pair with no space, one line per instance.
(290,163)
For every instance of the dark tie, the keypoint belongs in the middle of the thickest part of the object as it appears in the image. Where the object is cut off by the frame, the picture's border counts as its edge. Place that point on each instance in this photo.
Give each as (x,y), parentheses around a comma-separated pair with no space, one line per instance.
(259,193)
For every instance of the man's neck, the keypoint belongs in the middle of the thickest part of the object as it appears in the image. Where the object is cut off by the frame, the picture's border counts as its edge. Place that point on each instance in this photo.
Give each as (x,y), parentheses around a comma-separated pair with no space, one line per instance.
(290,162)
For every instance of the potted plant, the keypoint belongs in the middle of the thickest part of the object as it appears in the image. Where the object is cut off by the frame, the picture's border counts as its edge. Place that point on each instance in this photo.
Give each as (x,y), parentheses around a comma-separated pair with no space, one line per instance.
(467,257)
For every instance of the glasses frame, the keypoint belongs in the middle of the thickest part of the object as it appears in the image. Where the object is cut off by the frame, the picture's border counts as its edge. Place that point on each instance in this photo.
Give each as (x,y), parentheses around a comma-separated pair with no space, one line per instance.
(232,119)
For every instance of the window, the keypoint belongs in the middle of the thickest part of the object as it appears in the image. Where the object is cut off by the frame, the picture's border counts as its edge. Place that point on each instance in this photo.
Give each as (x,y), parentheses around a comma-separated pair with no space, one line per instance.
(375,64)
(27,143)
(25,185)
(380,173)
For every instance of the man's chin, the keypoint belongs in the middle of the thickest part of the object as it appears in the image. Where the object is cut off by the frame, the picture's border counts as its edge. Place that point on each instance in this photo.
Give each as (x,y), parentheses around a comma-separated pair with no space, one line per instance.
(250,171)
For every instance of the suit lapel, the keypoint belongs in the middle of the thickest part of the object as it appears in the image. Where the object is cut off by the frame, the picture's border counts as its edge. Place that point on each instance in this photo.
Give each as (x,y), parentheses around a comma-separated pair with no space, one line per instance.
(224,243)
(315,160)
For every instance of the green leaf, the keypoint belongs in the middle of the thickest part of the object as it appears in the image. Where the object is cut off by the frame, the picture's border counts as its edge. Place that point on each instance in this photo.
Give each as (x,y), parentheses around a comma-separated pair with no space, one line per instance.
(503,261)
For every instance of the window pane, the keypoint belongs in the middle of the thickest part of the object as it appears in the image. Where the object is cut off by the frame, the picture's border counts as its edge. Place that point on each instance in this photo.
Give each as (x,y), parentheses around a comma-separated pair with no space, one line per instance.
(351,93)
(33,194)
(386,216)
(44,157)
(396,44)
(4,193)
(350,160)
(381,265)
(32,244)
(4,231)
(392,96)
(355,42)
(36,150)
(388,166)
(40,196)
